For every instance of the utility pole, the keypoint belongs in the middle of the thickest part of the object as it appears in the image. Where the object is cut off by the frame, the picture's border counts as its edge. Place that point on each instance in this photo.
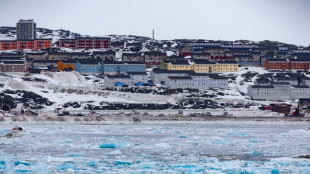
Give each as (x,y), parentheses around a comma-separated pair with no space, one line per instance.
(153,34)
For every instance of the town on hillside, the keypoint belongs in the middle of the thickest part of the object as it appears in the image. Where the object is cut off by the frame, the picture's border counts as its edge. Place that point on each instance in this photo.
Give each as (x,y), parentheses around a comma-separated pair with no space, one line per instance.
(176,64)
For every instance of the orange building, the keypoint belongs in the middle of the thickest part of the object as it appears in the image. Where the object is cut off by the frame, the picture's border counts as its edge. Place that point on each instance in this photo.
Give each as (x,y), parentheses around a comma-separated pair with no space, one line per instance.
(66,65)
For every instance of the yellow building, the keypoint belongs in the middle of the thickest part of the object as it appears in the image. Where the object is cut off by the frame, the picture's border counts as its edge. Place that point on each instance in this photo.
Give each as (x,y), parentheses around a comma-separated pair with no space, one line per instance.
(180,65)
(226,66)
(203,66)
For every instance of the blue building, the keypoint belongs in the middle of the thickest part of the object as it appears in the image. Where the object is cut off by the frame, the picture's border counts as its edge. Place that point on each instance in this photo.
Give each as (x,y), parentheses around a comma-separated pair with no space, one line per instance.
(116,67)
(89,66)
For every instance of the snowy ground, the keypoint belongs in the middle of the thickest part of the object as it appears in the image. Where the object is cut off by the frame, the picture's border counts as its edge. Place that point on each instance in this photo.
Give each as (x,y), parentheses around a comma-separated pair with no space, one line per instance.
(58,84)
(213,147)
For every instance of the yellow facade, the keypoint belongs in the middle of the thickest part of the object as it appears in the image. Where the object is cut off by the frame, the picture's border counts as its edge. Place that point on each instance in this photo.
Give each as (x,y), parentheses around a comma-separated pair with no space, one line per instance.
(172,66)
(205,67)
(226,67)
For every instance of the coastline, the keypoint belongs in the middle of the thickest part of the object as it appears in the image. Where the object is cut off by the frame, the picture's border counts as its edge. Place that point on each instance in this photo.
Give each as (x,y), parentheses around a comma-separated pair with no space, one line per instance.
(108,120)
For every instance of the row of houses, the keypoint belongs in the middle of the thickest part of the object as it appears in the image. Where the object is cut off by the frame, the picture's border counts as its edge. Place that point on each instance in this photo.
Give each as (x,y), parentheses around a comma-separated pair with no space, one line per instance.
(168,78)
(89,66)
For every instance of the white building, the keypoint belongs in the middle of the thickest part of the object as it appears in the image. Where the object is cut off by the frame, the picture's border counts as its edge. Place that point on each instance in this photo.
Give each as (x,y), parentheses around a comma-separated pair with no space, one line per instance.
(280,91)
(159,76)
(201,81)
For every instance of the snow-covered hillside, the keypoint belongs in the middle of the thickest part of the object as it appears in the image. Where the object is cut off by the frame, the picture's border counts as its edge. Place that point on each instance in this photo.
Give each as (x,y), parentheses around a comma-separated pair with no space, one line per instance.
(73,91)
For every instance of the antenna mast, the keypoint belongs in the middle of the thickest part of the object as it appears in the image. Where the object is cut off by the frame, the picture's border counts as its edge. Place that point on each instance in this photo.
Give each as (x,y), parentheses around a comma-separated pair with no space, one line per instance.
(153,34)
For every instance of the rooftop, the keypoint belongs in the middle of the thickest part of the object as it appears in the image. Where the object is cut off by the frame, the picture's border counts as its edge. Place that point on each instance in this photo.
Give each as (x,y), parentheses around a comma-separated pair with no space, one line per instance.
(89,61)
(119,76)
(132,54)
(180,77)
(165,71)
(104,52)
(300,86)
(136,73)
(262,86)
(13,62)
(202,61)
(179,62)
(227,62)
(45,61)
(280,83)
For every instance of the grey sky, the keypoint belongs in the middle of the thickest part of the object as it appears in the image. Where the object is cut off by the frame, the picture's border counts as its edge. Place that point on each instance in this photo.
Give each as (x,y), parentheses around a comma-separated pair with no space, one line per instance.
(281,20)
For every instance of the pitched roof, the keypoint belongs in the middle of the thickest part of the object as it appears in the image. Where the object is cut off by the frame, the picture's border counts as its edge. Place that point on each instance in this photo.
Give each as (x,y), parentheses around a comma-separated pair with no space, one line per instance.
(262,86)
(286,78)
(280,83)
(13,62)
(202,61)
(180,77)
(42,53)
(216,76)
(276,60)
(132,54)
(12,58)
(119,76)
(90,62)
(227,62)
(179,62)
(303,101)
(155,53)
(262,81)
(136,73)
(300,86)
(165,71)
(80,53)
(104,52)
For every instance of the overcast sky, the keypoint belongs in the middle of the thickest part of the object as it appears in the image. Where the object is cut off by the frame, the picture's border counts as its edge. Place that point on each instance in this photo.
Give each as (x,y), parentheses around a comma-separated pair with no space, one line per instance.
(279,20)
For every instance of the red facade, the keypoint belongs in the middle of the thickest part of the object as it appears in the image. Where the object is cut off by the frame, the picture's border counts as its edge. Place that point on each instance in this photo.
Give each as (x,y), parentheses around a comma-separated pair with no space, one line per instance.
(8,45)
(287,65)
(85,43)
(26,44)
(42,44)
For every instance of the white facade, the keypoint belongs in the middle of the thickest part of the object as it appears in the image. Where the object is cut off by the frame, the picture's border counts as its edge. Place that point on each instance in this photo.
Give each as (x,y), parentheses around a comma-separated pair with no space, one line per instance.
(111,80)
(131,79)
(201,81)
(160,76)
(278,92)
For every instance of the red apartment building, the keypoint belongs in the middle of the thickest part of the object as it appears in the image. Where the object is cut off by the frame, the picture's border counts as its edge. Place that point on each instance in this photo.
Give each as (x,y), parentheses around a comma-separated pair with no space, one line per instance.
(286,64)
(36,44)
(86,43)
